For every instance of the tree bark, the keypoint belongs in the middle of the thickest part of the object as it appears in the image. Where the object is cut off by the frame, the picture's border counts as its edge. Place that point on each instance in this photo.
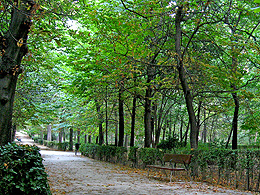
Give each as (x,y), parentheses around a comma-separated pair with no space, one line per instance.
(71,139)
(204,133)
(100,121)
(121,117)
(182,76)
(49,133)
(148,110)
(132,139)
(60,136)
(116,130)
(235,121)
(12,49)
(78,136)
(106,118)
(158,126)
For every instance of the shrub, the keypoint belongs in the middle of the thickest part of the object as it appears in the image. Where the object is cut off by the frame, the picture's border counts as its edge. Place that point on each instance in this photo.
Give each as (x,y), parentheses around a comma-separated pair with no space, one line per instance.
(170,143)
(150,155)
(22,171)
(62,146)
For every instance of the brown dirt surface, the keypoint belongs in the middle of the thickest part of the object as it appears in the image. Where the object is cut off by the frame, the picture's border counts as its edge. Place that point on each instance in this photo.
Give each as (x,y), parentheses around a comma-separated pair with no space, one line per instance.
(76,175)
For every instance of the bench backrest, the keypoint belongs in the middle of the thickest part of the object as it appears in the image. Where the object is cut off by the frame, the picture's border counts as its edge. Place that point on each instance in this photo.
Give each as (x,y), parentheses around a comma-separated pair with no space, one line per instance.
(177,158)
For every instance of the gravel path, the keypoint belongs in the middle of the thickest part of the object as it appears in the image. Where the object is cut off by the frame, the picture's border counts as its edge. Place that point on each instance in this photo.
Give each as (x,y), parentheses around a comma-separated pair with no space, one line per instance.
(76,175)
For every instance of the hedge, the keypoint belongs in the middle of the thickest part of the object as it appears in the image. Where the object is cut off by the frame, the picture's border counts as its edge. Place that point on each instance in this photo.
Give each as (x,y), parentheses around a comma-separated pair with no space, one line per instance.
(235,168)
(22,171)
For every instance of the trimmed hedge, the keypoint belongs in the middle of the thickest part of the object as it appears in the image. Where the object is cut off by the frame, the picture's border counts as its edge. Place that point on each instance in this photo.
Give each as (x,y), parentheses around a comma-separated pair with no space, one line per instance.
(107,153)
(22,171)
(53,144)
(235,168)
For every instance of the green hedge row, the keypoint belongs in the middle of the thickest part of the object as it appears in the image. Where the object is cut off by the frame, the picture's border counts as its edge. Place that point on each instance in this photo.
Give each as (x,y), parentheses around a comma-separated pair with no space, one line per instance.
(238,169)
(106,153)
(22,171)
(53,144)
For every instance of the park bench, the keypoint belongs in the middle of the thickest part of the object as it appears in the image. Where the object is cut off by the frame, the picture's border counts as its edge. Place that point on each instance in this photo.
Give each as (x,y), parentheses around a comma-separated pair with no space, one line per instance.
(172,160)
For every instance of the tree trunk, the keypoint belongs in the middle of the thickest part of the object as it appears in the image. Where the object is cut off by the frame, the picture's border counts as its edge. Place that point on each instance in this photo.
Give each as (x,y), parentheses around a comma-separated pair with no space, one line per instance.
(181,127)
(158,126)
(182,76)
(60,136)
(147,119)
(186,135)
(198,120)
(235,121)
(121,118)
(49,133)
(89,138)
(116,130)
(106,119)
(204,133)
(100,121)
(12,49)
(71,139)
(78,136)
(13,132)
(132,139)
(148,110)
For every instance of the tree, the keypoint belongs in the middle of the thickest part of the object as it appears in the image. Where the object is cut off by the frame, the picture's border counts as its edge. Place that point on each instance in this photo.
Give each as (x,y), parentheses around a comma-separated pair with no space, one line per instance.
(13,47)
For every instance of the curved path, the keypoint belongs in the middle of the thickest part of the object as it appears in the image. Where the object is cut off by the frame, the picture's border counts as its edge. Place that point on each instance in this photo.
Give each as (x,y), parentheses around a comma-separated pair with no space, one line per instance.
(76,175)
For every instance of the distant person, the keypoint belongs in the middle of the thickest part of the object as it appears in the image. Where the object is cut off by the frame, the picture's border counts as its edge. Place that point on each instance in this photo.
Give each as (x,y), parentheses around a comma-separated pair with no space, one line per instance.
(76,147)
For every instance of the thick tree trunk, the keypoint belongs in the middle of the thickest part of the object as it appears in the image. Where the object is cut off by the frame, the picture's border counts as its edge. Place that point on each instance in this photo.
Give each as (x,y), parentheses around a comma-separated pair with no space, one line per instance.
(121,118)
(132,139)
(147,118)
(12,49)
(182,76)
(148,109)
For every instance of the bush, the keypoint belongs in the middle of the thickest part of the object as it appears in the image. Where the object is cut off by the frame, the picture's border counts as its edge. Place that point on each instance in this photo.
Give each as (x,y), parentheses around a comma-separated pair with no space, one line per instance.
(62,146)
(170,143)
(150,155)
(22,171)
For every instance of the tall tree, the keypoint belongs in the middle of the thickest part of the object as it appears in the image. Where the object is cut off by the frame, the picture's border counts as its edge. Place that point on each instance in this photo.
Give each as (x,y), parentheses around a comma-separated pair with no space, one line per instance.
(13,47)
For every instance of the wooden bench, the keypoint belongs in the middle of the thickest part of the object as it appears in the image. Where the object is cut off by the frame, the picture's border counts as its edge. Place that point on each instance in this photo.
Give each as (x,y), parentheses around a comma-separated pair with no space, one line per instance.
(173,160)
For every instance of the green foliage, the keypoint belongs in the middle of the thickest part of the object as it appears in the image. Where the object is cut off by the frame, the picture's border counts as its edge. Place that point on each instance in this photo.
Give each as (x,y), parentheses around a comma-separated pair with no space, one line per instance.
(132,155)
(22,171)
(170,143)
(107,153)
(54,144)
(88,149)
(150,155)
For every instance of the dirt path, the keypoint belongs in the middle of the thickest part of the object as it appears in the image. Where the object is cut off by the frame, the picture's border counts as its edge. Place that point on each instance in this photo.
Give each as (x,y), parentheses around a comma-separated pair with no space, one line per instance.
(76,175)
